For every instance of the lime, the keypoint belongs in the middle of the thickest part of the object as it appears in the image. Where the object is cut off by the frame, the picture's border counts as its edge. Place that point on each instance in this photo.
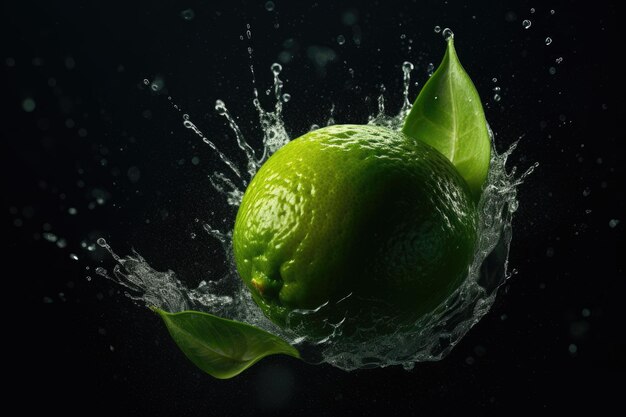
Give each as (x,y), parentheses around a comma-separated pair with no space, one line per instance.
(355,224)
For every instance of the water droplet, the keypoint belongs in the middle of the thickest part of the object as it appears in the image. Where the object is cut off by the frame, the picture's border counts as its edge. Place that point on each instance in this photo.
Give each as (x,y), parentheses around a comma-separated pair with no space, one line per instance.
(185,116)
(496,88)
(101,242)
(552,70)
(447,34)
(532,10)
(269,6)
(28,105)
(407,66)
(50,237)
(146,81)
(220,107)
(548,40)
(188,14)
(586,312)
(72,211)
(276,68)
(437,29)
(341,39)
(526,23)
(613,223)
(496,97)
(314,127)
(286,97)
(88,278)
(494,79)
(572,348)
(552,11)
(249,35)
(154,87)
(403,36)
(73,256)
(192,235)
(430,69)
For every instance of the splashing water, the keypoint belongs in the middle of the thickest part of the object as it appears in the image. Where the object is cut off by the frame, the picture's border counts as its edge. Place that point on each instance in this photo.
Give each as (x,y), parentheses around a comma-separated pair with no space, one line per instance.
(431,338)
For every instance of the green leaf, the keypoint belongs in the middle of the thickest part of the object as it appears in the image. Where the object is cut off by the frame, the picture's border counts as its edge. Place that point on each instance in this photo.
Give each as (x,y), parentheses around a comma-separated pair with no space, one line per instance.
(448,115)
(222,348)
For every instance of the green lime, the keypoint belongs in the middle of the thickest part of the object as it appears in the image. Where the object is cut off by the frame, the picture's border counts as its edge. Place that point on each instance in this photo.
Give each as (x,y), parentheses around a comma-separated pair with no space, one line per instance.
(362,223)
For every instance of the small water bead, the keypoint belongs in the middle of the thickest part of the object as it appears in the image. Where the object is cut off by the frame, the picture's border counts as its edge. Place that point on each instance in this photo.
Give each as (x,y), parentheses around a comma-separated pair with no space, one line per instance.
(559,60)
(220,107)
(526,23)
(146,81)
(73,256)
(314,127)
(341,39)
(437,29)
(494,79)
(276,68)
(102,242)
(548,40)
(552,70)
(269,6)
(407,66)
(497,98)
(447,34)
(286,97)
(552,11)
(192,235)
(532,10)
(185,116)
(496,89)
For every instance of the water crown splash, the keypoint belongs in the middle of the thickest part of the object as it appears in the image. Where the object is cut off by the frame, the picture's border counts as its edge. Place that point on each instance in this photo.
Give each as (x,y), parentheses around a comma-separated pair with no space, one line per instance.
(430,339)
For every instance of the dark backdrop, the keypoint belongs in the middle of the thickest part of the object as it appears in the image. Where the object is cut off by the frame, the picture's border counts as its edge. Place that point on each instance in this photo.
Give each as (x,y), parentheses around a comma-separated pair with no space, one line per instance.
(80,130)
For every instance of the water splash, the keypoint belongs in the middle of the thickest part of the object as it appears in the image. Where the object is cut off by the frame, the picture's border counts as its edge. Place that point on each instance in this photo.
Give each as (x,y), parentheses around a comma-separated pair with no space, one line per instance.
(429,339)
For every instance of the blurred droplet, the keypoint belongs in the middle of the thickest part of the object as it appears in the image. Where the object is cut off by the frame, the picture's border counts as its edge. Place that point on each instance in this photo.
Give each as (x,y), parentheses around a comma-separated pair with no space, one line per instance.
(430,69)
(188,14)
(70,64)
(548,40)
(341,39)
(28,105)
(269,6)
(526,23)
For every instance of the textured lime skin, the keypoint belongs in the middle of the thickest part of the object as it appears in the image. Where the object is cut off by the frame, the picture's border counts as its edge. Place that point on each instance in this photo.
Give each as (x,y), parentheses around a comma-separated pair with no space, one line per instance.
(354,210)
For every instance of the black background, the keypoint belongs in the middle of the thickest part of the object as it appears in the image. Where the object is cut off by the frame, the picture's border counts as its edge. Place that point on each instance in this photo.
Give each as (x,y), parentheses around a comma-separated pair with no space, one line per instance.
(554,340)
